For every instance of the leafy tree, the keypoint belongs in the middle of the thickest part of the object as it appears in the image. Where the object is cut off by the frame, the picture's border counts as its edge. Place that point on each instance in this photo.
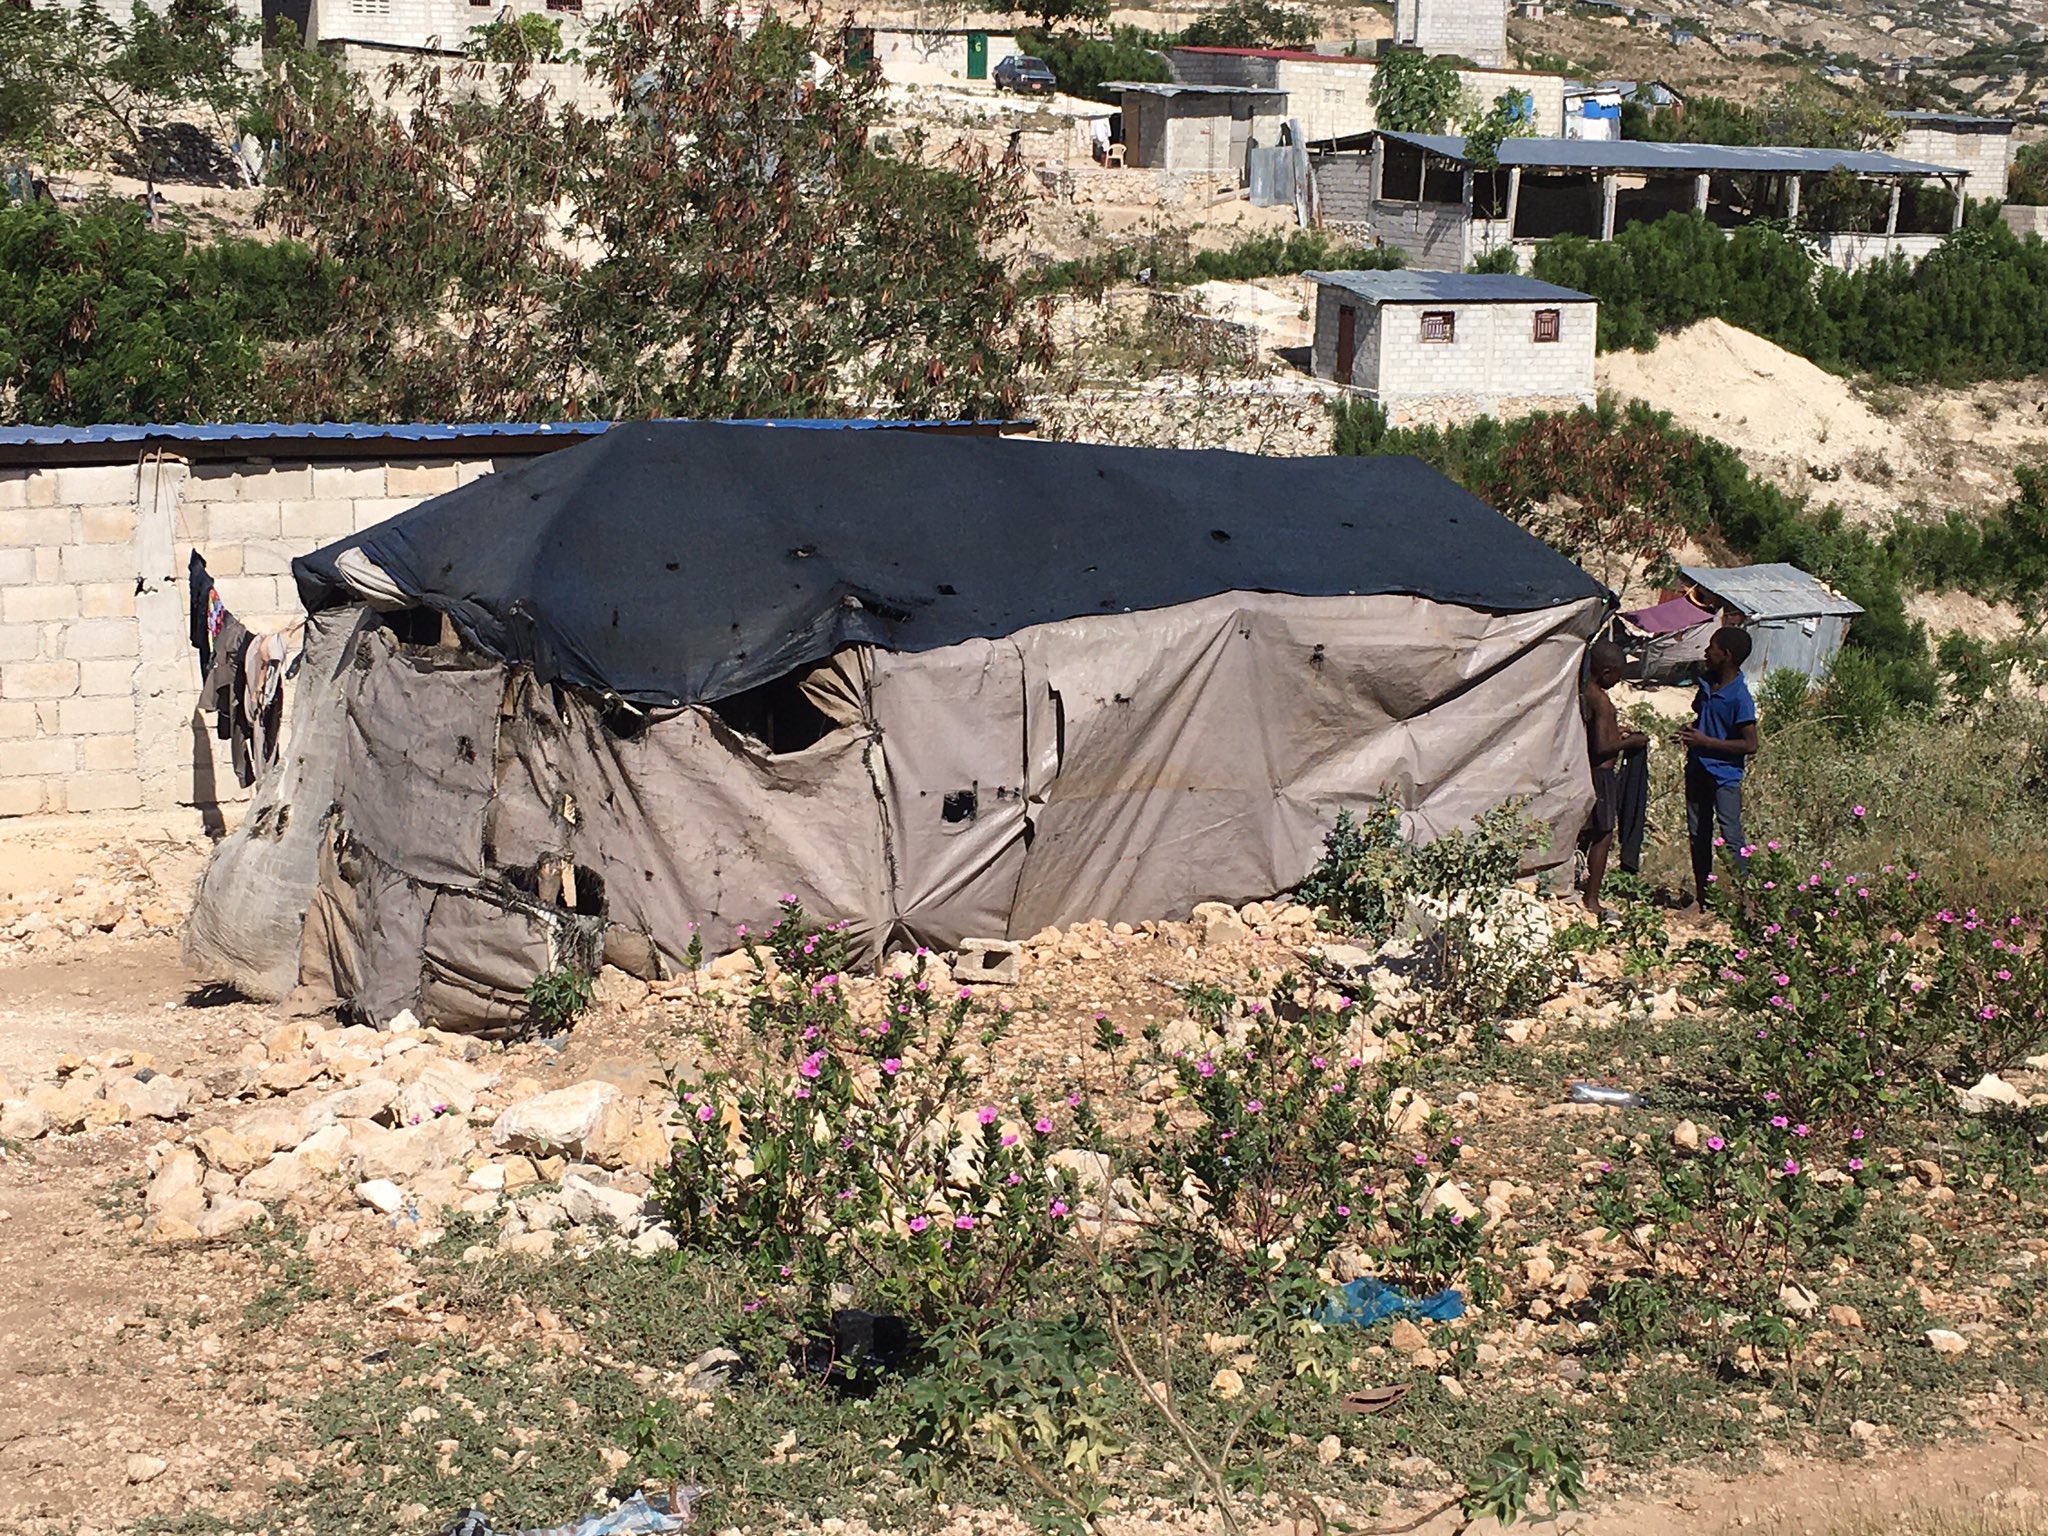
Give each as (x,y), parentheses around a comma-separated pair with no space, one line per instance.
(1251,24)
(1796,115)
(2027,182)
(121,83)
(1415,92)
(1053,13)
(1511,116)
(1082,63)
(31,94)
(528,38)
(723,239)
(110,320)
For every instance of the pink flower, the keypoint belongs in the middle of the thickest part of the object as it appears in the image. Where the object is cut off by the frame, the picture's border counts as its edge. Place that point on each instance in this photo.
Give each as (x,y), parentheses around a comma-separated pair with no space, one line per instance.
(1422,1159)
(1856,810)
(1770,1095)
(802,1091)
(1779,1122)
(1206,1067)
(963,1223)
(706,1114)
(1791,1167)
(1802,1130)
(1255,1106)
(967,994)
(1715,1143)
(812,1064)
(919,1223)
(1343,1210)
(1855,1165)
(1857,1134)
(892,1065)
(1009,1138)
(1042,1125)
(1059,1208)
(986,1114)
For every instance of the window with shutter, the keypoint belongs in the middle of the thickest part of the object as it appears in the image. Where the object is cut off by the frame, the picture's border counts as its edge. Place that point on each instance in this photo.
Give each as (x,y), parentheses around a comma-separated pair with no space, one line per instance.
(1547,324)
(1439,325)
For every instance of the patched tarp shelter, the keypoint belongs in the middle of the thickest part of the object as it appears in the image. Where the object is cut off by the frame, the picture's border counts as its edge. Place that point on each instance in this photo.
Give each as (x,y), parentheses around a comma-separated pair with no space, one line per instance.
(936,687)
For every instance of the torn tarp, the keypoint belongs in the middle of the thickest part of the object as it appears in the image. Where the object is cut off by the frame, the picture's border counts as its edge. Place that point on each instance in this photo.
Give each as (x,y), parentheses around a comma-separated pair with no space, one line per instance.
(1366,1301)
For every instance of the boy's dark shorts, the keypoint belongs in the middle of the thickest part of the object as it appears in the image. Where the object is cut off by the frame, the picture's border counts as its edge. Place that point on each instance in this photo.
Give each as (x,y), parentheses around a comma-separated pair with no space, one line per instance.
(1605,795)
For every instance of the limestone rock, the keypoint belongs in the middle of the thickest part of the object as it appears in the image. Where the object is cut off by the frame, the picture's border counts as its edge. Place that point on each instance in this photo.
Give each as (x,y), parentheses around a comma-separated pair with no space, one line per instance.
(1407,1111)
(1797,1301)
(366,1100)
(410,1150)
(228,1152)
(1406,1338)
(1686,1136)
(562,1120)
(66,1106)
(1446,1197)
(287,1174)
(442,1087)
(23,1120)
(1947,1342)
(992,962)
(382,1196)
(590,1204)
(160,1098)
(145,1469)
(228,1215)
(1227,1384)
(1090,1170)
(1329,1449)
(275,1128)
(1988,1093)
(1845,1316)
(179,1188)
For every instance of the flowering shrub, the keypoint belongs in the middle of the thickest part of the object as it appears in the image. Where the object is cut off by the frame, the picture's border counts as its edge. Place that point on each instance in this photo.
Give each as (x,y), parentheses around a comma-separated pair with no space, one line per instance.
(855,1146)
(1369,870)
(1858,989)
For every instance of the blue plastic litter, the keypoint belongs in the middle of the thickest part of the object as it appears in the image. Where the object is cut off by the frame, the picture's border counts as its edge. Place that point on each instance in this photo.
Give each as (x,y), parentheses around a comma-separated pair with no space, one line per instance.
(637,1516)
(1366,1301)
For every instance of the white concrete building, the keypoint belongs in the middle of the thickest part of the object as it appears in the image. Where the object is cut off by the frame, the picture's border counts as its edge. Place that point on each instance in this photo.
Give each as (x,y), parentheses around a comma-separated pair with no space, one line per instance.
(1981,146)
(1406,336)
(1470,29)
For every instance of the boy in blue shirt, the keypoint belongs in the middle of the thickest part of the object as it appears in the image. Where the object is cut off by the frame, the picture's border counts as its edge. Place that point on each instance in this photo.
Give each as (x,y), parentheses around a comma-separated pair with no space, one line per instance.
(1718,744)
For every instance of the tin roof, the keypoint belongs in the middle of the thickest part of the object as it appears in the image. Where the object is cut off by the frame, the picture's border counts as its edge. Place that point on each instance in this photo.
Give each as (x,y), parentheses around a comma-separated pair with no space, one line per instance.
(1644,155)
(1174,88)
(1404,287)
(1775,591)
(346,439)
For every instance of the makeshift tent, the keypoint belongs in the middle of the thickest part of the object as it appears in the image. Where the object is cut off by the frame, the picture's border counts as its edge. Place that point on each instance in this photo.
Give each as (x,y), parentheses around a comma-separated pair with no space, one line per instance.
(1667,642)
(936,687)
(1795,621)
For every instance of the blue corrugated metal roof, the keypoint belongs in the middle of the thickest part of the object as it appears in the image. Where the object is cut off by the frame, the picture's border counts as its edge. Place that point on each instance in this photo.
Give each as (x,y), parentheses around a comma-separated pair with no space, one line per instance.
(1644,155)
(1405,287)
(353,438)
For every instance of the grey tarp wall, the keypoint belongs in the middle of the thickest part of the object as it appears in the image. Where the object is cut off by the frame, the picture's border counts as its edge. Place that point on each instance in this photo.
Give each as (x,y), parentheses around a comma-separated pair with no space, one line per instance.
(1124,766)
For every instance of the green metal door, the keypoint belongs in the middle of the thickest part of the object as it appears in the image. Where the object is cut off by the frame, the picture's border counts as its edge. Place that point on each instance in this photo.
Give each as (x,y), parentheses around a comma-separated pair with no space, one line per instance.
(977,55)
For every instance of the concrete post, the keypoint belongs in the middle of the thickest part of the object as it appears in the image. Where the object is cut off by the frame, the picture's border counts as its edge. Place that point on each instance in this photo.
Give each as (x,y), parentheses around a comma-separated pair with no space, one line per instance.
(1891,218)
(1609,188)
(1956,219)
(1699,193)
(1514,198)
(172,756)
(1792,200)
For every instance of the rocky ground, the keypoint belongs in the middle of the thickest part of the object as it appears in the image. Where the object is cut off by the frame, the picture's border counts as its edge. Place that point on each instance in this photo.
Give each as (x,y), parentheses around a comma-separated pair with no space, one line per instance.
(235,1219)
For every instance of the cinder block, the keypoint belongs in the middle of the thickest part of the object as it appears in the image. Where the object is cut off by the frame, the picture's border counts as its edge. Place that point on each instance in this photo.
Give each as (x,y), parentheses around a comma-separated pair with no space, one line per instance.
(274,482)
(94,639)
(106,600)
(14,488)
(100,562)
(39,758)
(248,596)
(20,642)
(111,715)
(371,511)
(347,481)
(233,520)
(222,559)
(94,485)
(107,525)
(22,797)
(428,479)
(103,792)
(272,557)
(38,680)
(107,754)
(23,605)
(308,524)
(25,528)
(17,567)
(108,679)
(49,564)
(18,721)
(474,469)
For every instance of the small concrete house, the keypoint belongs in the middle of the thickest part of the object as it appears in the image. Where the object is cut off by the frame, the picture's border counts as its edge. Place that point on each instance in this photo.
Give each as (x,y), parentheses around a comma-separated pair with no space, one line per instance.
(1206,128)
(1982,146)
(1469,29)
(1431,335)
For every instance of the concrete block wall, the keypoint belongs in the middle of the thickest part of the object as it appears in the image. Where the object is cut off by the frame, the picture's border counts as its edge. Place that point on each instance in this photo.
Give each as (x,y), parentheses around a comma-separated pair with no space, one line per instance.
(98,679)
(2023,220)
(1493,354)
(1471,29)
(421,23)
(1332,97)
(1985,151)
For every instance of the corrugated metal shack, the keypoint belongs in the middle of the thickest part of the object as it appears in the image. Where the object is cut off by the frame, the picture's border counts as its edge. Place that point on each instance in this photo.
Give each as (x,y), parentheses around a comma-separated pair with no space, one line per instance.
(1796,621)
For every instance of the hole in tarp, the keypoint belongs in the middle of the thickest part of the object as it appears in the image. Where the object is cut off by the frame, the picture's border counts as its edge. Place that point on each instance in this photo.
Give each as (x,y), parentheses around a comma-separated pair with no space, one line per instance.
(1219,535)
(589,892)
(465,749)
(413,626)
(777,714)
(946,589)
(960,805)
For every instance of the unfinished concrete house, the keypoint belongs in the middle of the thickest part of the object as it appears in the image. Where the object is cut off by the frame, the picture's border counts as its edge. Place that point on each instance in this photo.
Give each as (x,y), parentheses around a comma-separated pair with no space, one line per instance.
(1469,29)
(1420,193)
(1403,336)
(1208,128)
(1982,146)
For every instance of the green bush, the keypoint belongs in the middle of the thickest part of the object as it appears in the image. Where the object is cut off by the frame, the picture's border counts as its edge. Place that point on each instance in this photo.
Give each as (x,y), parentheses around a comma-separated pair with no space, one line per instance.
(1170,263)
(107,319)
(1977,308)
(1251,24)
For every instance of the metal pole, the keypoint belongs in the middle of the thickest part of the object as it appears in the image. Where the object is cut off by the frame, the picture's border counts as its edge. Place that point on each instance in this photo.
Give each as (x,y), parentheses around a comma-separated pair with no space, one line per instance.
(1891,219)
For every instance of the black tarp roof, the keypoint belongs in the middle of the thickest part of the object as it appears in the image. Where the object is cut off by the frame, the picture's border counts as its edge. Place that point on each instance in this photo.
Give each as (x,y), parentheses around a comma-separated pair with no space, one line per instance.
(681,562)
